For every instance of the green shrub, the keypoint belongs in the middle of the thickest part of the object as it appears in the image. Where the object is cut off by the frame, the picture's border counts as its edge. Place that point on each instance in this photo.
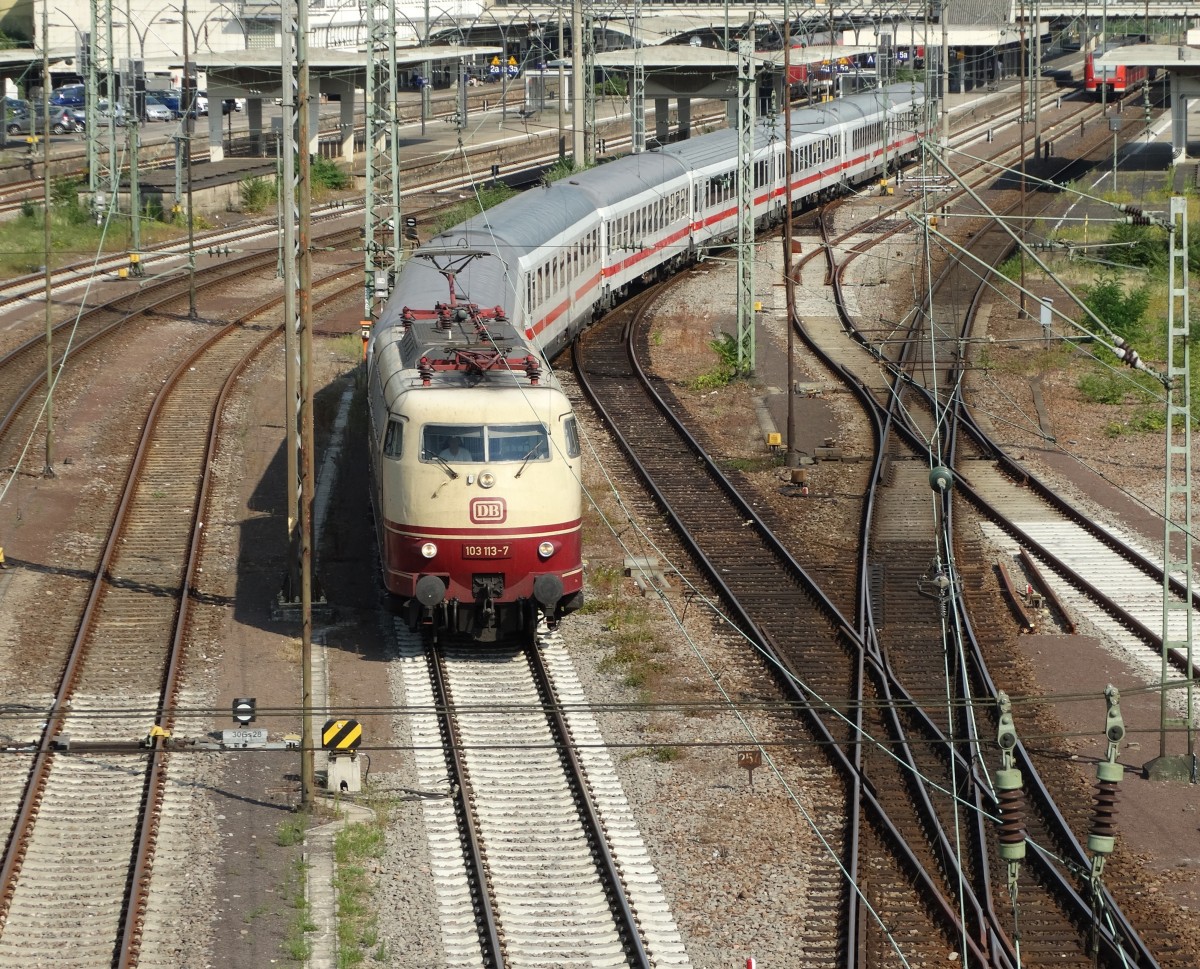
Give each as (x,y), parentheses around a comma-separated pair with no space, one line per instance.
(612,87)
(560,170)
(326,174)
(258,193)
(1120,311)
(1143,246)
(1010,269)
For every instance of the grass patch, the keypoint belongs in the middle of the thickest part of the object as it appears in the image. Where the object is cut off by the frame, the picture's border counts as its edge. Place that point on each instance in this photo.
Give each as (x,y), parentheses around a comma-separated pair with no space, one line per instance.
(296,945)
(635,656)
(1103,388)
(291,832)
(726,370)
(1149,420)
(484,198)
(750,465)
(358,922)
(74,234)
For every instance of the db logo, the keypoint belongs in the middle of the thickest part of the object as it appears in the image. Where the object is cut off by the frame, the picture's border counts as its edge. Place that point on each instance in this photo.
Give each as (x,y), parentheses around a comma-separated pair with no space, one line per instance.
(488,510)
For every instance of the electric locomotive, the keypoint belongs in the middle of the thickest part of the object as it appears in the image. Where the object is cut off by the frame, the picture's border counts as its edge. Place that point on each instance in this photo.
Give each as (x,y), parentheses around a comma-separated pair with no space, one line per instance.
(475,462)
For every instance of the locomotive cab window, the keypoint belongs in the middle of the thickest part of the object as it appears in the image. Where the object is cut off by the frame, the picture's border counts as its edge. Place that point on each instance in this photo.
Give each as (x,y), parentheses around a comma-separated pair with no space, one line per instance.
(517,442)
(494,443)
(572,431)
(452,442)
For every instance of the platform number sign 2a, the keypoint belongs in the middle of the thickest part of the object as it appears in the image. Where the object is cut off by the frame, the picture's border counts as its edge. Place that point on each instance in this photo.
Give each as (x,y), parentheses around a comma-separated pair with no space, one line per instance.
(243,709)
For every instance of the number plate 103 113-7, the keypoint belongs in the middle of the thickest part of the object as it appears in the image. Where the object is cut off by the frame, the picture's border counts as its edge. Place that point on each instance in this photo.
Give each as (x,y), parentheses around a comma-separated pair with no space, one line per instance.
(487,551)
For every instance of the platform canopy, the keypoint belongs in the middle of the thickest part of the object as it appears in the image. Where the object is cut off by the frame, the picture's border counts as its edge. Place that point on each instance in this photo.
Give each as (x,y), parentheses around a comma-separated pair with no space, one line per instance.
(259,72)
(1170,56)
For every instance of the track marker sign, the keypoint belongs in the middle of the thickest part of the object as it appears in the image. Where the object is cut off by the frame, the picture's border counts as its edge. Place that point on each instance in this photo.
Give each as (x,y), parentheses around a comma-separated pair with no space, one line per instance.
(748,760)
(344,734)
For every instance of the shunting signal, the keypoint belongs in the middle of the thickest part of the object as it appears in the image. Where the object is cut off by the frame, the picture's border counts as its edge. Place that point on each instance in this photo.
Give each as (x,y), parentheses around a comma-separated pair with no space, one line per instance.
(244,709)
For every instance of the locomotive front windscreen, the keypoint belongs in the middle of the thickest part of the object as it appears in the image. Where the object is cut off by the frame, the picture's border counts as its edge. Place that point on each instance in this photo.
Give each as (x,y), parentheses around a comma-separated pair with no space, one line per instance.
(493,443)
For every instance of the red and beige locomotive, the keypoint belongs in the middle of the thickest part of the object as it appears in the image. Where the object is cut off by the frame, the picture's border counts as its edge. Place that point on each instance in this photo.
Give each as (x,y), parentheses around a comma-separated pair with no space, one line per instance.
(476,464)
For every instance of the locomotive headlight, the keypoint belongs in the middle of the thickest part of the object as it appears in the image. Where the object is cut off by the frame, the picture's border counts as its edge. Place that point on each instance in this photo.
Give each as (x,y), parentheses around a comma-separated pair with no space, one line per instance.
(486,479)
(429,550)
(546,549)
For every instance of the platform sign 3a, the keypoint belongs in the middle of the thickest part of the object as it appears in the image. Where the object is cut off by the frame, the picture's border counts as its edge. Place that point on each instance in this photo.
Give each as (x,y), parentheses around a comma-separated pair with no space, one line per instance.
(344,734)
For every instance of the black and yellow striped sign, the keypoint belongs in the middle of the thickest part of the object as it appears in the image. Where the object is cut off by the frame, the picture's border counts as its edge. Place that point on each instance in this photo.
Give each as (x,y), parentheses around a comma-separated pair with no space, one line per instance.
(341,734)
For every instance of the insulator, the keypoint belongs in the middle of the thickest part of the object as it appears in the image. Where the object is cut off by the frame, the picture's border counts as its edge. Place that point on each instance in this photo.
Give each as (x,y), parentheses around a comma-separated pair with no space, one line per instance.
(1128,354)
(425,369)
(532,369)
(941,479)
(1011,799)
(1104,825)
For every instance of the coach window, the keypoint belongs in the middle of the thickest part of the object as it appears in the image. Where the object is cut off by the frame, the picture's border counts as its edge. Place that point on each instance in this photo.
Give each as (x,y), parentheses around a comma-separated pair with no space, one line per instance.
(393,439)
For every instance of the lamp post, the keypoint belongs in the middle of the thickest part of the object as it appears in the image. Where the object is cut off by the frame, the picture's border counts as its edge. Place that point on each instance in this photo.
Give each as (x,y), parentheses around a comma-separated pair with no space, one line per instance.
(48,464)
(85,43)
(185,101)
(134,78)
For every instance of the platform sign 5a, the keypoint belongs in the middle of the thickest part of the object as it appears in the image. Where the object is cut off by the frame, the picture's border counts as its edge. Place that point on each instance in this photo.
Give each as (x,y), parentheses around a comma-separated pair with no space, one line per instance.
(344,734)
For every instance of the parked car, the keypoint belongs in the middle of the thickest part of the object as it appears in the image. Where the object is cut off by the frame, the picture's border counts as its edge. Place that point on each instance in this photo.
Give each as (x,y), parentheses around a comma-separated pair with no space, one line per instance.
(202,102)
(155,110)
(104,113)
(69,96)
(61,122)
(171,100)
(14,108)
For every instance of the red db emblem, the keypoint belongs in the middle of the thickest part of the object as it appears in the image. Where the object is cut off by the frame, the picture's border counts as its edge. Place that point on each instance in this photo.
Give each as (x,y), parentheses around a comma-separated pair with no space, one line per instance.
(488,511)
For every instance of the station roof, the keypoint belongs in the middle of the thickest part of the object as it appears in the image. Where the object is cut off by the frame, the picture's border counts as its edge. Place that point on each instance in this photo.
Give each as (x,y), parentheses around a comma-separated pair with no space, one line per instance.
(27,57)
(1152,55)
(331,59)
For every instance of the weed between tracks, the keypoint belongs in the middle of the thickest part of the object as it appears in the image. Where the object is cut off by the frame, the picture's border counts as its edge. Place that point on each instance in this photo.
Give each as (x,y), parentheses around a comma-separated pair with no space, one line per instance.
(296,945)
(358,923)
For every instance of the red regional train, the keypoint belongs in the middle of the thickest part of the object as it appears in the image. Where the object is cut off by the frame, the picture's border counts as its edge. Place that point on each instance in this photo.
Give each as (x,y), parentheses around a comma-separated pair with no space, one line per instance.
(1120,78)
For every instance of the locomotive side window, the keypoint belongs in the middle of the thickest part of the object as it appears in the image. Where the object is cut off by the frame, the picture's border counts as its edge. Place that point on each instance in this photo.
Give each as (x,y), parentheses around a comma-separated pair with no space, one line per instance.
(393,440)
(572,431)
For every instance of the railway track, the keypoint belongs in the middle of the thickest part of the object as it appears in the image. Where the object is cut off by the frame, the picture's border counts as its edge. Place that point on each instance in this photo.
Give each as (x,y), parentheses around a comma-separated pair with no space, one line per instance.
(819,657)
(1059,914)
(539,860)
(93,792)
